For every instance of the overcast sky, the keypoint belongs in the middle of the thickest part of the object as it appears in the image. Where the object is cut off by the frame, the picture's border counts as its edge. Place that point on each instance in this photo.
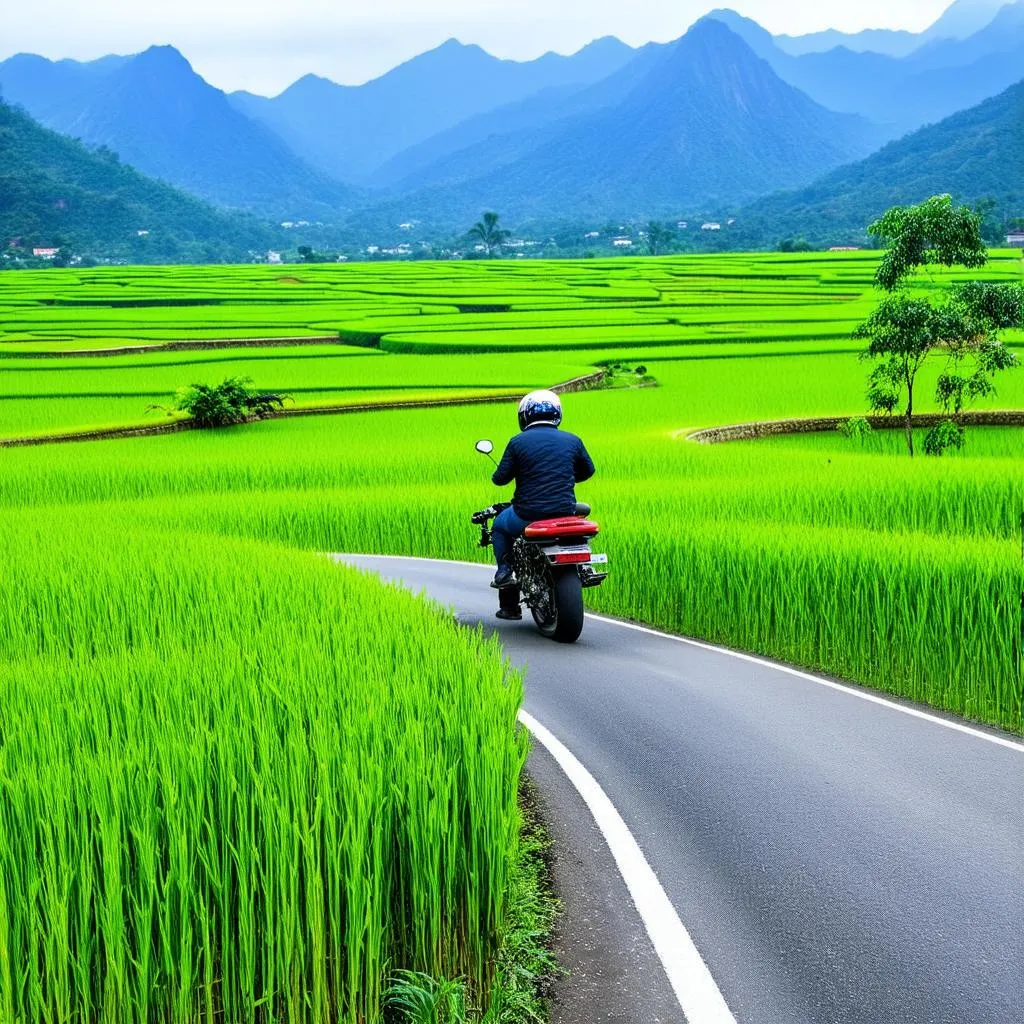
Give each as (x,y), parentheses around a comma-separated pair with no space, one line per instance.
(264,45)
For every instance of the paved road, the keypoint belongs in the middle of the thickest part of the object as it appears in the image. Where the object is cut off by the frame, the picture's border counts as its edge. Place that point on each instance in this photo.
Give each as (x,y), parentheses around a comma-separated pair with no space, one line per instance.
(835,860)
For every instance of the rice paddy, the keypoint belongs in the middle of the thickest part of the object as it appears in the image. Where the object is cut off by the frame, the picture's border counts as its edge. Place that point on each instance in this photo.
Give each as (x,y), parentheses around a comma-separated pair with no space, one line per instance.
(229,792)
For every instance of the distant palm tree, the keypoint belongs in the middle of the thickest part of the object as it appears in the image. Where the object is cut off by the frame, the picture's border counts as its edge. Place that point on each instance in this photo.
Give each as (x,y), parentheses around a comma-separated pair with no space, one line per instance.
(489,234)
(659,237)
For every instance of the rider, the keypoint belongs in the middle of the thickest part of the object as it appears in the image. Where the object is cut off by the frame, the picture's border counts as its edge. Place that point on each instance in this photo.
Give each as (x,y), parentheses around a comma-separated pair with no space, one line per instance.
(545,463)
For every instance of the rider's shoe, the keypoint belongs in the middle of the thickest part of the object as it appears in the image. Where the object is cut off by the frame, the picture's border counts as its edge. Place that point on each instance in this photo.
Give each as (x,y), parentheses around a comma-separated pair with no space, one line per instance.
(504,577)
(503,613)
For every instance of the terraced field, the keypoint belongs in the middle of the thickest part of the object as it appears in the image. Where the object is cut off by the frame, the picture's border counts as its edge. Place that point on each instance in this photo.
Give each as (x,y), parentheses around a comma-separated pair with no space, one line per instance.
(186,566)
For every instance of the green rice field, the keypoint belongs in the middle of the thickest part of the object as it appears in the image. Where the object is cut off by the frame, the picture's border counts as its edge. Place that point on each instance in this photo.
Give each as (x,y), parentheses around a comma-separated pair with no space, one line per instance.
(229,790)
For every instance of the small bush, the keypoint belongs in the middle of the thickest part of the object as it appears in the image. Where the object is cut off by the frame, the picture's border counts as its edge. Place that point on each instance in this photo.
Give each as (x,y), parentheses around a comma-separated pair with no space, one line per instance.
(232,401)
(855,429)
(945,435)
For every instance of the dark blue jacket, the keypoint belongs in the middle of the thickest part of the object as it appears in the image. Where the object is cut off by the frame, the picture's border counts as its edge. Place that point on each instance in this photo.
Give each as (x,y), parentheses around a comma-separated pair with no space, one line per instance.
(546,464)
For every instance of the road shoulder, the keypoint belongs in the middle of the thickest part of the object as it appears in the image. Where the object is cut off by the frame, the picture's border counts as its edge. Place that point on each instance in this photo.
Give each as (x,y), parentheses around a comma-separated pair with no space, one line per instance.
(614,977)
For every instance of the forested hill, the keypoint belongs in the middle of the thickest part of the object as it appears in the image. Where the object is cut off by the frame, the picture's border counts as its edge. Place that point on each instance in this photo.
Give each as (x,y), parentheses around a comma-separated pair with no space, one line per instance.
(54,190)
(976,154)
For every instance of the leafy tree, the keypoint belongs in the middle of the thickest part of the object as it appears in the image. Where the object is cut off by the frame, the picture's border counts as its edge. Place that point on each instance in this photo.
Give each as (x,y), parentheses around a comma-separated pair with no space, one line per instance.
(795,245)
(232,401)
(489,233)
(904,330)
(660,237)
(933,232)
(307,255)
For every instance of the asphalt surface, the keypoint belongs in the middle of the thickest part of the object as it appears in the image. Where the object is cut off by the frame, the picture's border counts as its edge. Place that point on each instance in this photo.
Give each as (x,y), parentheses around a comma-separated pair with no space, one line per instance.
(835,860)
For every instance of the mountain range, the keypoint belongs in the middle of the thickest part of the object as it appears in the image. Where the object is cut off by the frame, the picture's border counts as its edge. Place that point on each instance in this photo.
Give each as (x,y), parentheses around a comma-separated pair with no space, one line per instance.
(53,189)
(164,120)
(962,19)
(724,116)
(977,153)
(706,121)
(426,95)
(901,94)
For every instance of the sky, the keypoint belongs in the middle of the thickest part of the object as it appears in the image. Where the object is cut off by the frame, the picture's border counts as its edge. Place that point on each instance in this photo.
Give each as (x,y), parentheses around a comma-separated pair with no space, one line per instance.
(264,45)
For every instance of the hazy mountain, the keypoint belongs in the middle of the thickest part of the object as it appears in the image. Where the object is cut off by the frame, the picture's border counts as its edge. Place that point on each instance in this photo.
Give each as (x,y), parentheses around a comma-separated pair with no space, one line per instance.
(962,19)
(499,137)
(933,82)
(709,120)
(349,131)
(162,118)
(893,43)
(53,188)
(977,153)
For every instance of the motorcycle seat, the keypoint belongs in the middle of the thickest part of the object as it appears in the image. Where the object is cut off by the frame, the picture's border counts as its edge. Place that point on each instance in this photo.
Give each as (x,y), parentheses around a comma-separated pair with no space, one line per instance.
(565,526)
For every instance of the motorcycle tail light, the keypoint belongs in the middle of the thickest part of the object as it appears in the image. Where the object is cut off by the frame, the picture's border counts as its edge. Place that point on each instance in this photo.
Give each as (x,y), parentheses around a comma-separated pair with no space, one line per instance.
(570,557)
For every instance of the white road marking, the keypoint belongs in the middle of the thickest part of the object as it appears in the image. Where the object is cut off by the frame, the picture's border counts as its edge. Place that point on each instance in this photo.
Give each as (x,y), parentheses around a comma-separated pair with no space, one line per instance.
(694,987)
(852,691)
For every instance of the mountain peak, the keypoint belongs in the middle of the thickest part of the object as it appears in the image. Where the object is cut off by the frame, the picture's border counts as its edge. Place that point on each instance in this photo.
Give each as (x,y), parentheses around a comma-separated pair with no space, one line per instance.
(165,56)
(759,39)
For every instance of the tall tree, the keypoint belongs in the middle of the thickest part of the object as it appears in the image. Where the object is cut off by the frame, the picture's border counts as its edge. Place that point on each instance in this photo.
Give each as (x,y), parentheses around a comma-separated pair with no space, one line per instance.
(905,330)
(489,233)
(659,237)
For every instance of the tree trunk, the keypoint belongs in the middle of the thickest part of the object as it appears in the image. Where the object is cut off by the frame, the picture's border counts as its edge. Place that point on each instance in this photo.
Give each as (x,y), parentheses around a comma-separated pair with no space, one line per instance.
(910,420)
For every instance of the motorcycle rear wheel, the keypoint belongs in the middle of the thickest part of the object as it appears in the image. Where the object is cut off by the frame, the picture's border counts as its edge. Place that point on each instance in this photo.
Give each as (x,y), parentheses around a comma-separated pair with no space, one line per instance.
(565,624)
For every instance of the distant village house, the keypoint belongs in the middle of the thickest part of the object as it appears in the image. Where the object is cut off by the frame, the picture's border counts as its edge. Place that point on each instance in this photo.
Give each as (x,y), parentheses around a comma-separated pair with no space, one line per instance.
(273,257)
(711,226)
(45,253)
(622,243)
(845,248)
(1015,238)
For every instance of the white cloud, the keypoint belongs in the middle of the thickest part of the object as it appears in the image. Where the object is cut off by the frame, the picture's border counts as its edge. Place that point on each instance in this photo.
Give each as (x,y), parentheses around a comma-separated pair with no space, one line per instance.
(263,45)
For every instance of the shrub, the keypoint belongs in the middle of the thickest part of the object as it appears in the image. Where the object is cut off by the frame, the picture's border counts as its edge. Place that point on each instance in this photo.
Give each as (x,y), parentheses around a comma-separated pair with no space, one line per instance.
(946,434)
(232,401)
(855,429)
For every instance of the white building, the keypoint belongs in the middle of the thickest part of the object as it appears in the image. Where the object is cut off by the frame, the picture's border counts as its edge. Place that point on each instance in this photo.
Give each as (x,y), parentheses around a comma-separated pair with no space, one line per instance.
(592,234)
(682,225)
(45,253)
(711,226)
(1015,238)
(273,257)
(142,233)
(622,243)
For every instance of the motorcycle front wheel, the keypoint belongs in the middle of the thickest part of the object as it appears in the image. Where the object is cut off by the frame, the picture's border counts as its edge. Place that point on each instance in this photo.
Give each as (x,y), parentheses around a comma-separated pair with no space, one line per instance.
(561,618)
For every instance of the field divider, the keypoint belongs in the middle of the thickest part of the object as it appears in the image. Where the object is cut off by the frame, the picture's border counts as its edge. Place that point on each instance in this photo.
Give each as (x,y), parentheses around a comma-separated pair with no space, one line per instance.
(822,424)
(177,346)
(587,382)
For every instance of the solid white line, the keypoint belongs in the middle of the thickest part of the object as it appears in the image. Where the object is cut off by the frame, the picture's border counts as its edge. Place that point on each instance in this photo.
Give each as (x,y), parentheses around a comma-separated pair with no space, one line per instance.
(694,987)
(852,691)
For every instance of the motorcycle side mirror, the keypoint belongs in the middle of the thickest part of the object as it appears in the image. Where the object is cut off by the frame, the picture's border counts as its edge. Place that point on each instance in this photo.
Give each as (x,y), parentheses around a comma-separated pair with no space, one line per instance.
(484,447)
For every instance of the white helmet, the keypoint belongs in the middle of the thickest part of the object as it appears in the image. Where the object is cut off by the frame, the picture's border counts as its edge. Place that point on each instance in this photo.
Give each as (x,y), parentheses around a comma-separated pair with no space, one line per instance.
(540,407)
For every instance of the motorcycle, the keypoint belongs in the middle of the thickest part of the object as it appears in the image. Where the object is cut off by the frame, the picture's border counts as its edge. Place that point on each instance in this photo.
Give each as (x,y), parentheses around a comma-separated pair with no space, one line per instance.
(553,564)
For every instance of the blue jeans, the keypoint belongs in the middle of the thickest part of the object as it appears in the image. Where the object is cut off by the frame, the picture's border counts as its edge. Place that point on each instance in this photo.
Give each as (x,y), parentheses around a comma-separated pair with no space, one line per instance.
(507,527)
